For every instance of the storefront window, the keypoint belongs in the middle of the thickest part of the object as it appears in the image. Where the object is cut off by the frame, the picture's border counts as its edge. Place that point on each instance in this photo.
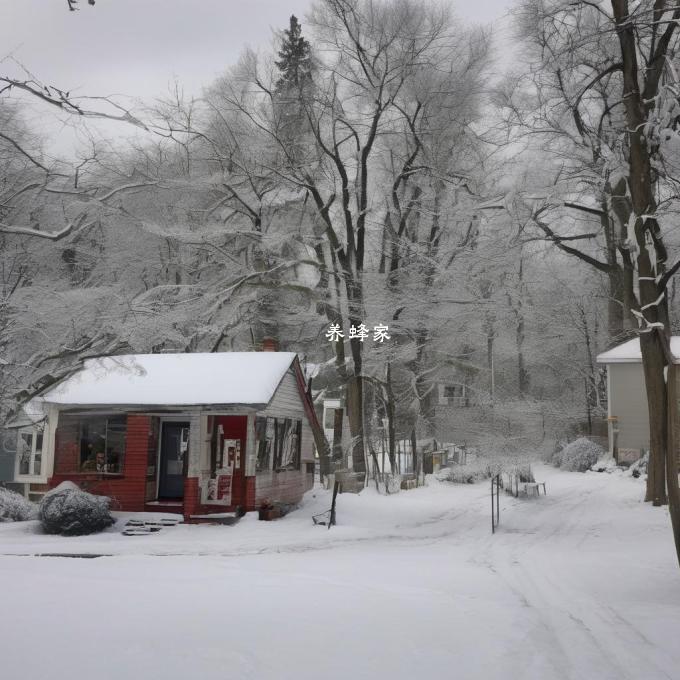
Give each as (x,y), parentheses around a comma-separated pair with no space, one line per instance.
(90,444)
(102,444)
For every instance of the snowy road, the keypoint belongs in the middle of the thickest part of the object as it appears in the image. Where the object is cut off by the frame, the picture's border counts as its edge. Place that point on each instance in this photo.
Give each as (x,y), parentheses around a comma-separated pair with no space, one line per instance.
(580,584)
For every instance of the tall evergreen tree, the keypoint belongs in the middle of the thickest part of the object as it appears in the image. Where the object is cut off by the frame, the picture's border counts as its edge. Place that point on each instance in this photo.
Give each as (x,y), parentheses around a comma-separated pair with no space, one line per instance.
(295,59)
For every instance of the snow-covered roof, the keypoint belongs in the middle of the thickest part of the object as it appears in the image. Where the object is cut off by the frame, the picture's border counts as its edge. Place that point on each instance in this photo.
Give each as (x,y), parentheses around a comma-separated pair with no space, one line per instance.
(630,353)
(174,379)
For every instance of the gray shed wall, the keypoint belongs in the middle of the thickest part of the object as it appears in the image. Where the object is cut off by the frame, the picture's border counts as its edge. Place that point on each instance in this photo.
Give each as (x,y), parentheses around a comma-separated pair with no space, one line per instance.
(287,403)
(628,402)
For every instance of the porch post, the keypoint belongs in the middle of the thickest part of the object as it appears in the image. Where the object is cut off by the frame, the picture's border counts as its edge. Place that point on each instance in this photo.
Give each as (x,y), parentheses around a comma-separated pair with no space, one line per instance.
(50,444)
(250,469)
(192,490)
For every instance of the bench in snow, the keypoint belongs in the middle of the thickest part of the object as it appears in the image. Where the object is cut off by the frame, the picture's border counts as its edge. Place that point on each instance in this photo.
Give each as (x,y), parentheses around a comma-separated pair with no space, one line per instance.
(534,488)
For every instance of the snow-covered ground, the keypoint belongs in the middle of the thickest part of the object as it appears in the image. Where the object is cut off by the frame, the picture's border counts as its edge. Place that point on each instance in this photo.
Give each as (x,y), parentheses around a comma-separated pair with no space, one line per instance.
(581,583)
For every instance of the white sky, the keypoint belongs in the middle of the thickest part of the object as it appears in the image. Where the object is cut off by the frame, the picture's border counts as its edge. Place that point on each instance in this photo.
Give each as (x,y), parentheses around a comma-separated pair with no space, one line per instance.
(139,47)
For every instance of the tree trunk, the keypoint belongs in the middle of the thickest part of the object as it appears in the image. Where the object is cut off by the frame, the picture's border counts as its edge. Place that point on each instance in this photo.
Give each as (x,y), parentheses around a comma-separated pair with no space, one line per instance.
(414,453)
(355,413)
(654,321)
(672,457)
(338,416)
(391,434)
(653,363)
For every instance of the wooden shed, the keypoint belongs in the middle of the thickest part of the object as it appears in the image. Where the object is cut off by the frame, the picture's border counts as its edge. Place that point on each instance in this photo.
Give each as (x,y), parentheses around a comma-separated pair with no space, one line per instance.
(627,410)
(193,433)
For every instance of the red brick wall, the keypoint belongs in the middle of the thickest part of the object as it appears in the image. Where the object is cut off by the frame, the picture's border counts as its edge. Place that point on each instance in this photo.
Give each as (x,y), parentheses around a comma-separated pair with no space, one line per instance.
(127,490)
(66,447)
(251,494)
(192,499)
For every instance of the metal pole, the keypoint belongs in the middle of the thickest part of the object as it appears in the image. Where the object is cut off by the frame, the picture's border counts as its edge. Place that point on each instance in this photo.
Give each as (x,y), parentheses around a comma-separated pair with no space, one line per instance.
(493,524)
(498,500)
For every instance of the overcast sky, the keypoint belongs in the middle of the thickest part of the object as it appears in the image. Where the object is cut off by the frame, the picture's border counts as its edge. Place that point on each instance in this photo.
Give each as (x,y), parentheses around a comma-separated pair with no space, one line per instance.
(138,47)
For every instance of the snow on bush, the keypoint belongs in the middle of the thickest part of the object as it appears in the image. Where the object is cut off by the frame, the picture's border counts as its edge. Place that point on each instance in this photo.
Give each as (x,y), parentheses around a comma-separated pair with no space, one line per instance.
(578,456)
(15,508)
(473,471)
(70,511)
(640,467)
(605,464)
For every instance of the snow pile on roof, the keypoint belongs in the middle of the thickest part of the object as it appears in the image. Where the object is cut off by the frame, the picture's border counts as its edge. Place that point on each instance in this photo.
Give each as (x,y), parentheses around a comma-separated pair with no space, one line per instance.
(175,379)
(629,352)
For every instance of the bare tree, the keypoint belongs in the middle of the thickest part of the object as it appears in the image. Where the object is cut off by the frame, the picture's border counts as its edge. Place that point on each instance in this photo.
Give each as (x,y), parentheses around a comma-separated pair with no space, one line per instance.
(620,59)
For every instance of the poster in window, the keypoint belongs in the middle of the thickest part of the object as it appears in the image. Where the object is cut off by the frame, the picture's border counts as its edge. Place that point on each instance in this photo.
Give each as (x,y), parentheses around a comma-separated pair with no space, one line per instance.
(231,455)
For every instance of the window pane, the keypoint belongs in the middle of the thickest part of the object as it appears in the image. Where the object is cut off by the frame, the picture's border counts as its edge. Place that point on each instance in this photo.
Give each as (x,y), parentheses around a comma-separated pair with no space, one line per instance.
(25,448)
(115,445)
(92,443)
(280,425)
(101,443)
(290,445)
(263,444)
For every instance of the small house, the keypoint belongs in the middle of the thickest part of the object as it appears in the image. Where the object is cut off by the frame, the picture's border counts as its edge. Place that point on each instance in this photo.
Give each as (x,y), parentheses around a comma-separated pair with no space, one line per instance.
(627,412)
(196,434)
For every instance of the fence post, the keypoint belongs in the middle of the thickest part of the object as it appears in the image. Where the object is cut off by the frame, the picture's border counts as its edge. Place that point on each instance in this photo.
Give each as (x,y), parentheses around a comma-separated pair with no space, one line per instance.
(495,509)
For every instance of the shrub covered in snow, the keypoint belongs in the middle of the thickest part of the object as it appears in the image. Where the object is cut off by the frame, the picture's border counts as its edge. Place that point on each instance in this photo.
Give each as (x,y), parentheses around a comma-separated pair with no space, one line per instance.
(578,456)
(70,511)
(473,471)
(639,468)
(15,508)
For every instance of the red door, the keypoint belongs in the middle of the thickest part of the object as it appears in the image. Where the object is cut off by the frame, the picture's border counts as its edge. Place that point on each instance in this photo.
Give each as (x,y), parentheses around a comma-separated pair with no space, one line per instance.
(231,432)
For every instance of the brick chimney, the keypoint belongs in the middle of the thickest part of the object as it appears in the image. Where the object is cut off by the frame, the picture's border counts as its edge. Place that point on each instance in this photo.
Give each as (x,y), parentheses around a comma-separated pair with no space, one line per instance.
(270,345)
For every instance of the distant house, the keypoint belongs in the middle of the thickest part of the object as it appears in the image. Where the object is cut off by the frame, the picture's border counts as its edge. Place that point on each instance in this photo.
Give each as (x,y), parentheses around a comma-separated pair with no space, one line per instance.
(453,394)
(627,414)
(330,406)
(191,433)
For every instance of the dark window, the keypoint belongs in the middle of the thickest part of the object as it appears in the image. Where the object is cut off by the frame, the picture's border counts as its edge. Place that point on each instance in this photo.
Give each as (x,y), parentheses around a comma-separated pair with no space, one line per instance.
(277,443)
(265,438)
(288,433)
(102,443)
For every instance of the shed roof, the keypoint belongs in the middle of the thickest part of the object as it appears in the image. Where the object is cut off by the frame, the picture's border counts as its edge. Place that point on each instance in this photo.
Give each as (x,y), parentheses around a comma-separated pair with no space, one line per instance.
(630,353)
(174,379)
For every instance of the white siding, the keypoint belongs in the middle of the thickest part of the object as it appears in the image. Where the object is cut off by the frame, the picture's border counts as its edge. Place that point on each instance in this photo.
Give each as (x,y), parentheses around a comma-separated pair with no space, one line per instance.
(628,403)
(287,403)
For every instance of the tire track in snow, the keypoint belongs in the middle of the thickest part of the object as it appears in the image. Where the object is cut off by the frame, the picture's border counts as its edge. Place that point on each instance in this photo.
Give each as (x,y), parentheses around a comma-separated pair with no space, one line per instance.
(592,639)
